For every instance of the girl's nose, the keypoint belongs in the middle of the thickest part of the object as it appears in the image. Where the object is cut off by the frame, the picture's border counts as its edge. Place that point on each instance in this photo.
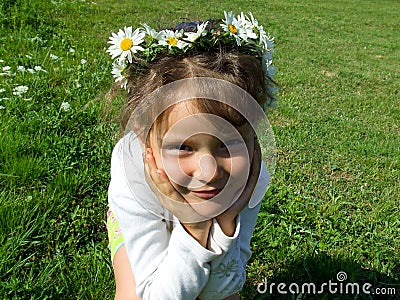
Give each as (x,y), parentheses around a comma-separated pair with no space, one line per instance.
(207,169)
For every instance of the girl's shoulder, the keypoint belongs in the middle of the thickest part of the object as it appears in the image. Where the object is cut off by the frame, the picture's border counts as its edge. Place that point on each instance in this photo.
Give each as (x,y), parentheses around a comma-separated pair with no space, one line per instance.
(128,145)
(128,179)
(261,187)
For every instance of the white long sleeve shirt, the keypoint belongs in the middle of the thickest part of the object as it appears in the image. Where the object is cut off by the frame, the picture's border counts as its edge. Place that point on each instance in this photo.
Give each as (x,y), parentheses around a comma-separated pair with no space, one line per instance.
(166,261)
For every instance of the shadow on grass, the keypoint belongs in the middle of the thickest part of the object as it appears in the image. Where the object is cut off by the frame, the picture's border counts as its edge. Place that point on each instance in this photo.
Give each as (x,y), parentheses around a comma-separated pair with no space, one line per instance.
(331,278)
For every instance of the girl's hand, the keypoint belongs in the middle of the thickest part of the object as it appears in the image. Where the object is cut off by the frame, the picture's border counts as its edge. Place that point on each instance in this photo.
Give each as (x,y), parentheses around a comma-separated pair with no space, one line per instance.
(227,219)
(172,200)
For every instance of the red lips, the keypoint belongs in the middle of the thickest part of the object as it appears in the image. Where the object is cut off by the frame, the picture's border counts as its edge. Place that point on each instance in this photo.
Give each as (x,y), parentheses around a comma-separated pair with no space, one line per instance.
(207,194)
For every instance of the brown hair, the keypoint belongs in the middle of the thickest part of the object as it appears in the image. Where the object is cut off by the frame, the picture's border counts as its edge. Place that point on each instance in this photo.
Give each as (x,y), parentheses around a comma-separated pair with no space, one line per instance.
(240,69)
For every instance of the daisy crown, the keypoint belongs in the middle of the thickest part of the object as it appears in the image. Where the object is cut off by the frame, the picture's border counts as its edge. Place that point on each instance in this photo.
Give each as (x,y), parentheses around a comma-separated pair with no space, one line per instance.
(133,48)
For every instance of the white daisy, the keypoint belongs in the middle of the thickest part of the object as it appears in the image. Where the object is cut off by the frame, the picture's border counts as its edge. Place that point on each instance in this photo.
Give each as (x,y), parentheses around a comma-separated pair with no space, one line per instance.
(65,106)
(247,27)
(6,68)
(269,69)
(126,43)
(21,69)
(201,30)
(231,24)
(260,30)
(172,38)
(19,90)
(32,71)
(2,90)
(119,73)
(152,32)
(2,107)
(7,73)
(39,68)
(54,57)
(72,50)
(254,24)
(83,61)
(235,27)
(253,21)
(267,42)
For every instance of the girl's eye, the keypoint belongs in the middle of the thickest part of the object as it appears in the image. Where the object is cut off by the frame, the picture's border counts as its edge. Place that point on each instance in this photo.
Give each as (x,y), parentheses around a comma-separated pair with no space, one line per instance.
(185,148)
(179,148)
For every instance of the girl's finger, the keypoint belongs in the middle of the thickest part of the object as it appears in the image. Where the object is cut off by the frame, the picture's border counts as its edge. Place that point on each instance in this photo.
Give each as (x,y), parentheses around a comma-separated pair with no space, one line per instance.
(160,178)
(167,195)
(157,175)
(150,161)
(247,193)
(254,170)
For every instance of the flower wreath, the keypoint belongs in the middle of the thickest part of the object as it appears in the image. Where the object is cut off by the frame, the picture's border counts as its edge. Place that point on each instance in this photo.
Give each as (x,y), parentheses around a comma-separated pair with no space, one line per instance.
(243,32)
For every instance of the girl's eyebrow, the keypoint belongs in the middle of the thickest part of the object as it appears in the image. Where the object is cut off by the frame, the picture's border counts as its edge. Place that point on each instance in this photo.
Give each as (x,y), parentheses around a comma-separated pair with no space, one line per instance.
(178,135)
(176,140)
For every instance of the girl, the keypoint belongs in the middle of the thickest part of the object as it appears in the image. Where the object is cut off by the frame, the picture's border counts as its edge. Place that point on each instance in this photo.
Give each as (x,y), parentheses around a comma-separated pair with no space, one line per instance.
(187,179)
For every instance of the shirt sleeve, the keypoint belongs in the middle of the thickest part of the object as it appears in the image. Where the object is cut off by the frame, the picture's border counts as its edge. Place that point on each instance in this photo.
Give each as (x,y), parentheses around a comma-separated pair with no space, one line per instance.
(228,271)
(166,265)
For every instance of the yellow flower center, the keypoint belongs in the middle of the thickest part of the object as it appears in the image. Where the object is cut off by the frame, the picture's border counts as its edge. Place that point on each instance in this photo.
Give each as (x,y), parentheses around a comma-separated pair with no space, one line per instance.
(172,41)
(232,28)
(126,44)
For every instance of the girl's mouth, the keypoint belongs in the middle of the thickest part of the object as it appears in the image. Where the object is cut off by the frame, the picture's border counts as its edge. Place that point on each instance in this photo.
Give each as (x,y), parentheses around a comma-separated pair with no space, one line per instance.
(207,194)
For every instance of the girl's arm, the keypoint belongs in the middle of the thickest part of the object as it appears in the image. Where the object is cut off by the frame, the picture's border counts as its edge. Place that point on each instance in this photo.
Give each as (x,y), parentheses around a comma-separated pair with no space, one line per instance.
(125,282)
(228,271)
(166,265)
(125,285)
(227,220)
(199,231)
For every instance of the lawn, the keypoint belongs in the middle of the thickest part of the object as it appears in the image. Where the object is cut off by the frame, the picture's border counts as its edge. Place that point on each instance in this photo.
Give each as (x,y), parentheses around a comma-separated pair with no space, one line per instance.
(333,205)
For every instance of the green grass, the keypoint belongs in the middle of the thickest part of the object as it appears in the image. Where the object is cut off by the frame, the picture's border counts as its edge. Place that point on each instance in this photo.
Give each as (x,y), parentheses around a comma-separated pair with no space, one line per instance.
(334,202)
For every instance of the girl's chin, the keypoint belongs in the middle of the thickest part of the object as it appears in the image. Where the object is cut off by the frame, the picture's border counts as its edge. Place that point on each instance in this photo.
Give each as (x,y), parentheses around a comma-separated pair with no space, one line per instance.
(208,209)
(214,206)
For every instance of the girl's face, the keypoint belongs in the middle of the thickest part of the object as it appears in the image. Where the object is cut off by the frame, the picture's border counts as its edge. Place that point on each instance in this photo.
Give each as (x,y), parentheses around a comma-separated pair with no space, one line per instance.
(203,154)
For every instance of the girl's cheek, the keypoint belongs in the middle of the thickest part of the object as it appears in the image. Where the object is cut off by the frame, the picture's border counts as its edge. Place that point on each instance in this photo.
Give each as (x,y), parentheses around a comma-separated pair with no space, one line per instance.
(176,169)
(239,165)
